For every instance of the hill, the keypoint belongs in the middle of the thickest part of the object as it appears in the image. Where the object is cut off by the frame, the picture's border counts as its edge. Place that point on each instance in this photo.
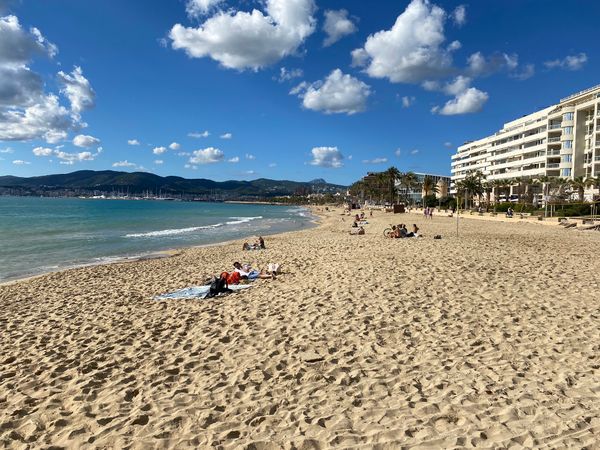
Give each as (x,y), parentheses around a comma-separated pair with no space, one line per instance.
(109,181)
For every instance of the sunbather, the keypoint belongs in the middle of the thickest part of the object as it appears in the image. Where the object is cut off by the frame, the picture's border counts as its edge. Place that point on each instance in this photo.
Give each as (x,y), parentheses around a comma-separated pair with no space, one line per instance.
(248,273)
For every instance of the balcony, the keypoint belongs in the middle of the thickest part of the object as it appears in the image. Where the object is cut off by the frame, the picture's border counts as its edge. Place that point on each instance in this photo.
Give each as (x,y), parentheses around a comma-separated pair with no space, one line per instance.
(553,166)
(554,139)
(556,126)
(553,152)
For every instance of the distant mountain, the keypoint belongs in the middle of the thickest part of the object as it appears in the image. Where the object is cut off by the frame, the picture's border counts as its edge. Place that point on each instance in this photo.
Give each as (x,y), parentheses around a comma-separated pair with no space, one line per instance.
(142,182)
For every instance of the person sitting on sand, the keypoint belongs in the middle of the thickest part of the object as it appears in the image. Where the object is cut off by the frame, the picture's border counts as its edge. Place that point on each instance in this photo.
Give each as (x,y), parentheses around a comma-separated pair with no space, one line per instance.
(414,232)
(402,231)
(261,242)
(246,246)
(248,273)
(360,231)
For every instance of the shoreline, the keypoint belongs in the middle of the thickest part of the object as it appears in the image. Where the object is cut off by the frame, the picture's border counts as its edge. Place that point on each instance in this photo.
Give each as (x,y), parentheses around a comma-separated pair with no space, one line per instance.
(159,254)
(360,341)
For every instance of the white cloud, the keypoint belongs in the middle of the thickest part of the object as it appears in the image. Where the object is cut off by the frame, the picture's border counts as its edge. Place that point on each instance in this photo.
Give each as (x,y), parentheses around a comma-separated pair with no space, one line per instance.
(203,134)
(124,164)
(235,159)
(249,40)
(174,146)
(407,101)
(226,136)
(339,93)
(337,25)
(42,151)
(527,72)
(250,172)
(375,161)
(479,65)
(459,15)
(183,154)
(411,51)
(414,152)
(196,8)
(287,75)
(26,111)
(6,150)
(158,162)
(448,144)
(190,166)
(271,165)
(159,150)
(572,62)
(77,89)
(46,119)
(82,140)
(398,152)
(20,162)
(208,155)
(71,158)
(133,142)
(327,157)
(466,99)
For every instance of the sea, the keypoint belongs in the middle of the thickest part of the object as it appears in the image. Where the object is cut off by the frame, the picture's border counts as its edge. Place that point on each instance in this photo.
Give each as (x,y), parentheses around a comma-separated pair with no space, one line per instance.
(39,235)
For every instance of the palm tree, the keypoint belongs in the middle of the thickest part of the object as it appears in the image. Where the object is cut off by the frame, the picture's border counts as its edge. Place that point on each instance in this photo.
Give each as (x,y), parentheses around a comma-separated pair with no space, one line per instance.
(392,174)
(408,181)
(579,184)
(428,187)
(488,187)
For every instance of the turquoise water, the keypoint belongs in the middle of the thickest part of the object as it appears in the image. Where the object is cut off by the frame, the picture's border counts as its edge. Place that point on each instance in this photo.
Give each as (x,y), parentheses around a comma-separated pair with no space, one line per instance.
(39,235)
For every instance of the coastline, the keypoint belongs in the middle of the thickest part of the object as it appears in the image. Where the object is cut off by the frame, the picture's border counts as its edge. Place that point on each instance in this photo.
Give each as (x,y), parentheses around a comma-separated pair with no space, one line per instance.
(361,341)
(154,254)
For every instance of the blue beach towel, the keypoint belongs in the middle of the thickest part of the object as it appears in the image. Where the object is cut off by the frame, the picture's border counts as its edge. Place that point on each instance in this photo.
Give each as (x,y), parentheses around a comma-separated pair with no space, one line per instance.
(198,292)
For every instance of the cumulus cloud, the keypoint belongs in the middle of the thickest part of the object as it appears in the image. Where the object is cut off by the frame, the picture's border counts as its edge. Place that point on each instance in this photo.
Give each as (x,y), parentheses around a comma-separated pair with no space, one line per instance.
(26,111)
(197,8)
(337,25)
(407,101)
(195,134)
(289,74)
(6,150)
(250,156)
(71,158)
(123,164)
(527,72)
(235,159)
(133,142)
(159,150)
(479,65)
(398,152)
(572,62)
(158,162)
(412,50)
(82,140)
(174,146)
(459,15)
(20,162)
(327,157)
(338,94)
(226,136)
(466,99)
(208,155)
(249,40)
(414,152)
(271,165)
(77,89)
(448,144)
(43,151)
(375,161)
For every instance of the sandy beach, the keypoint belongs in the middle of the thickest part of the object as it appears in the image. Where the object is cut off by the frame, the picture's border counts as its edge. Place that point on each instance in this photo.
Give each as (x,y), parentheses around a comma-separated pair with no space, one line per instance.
(488,340)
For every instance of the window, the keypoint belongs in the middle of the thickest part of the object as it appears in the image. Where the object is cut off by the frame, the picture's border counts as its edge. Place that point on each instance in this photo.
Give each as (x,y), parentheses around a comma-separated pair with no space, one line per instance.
(568,144)
(567,158)
(565,173)
(568,130)
(568,116)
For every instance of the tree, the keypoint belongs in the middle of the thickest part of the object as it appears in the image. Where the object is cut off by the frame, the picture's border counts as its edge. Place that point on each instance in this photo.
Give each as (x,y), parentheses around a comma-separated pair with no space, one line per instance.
(429,186)
(580,184)
(488,187)
(392,174)
(408,181)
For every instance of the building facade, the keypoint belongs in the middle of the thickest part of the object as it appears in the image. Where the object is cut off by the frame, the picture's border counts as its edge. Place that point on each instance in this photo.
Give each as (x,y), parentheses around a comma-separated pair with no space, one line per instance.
(415,194)
(562,140)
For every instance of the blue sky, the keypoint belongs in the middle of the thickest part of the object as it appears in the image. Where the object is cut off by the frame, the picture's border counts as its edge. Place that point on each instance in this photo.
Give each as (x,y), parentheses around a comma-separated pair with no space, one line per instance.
(294,89)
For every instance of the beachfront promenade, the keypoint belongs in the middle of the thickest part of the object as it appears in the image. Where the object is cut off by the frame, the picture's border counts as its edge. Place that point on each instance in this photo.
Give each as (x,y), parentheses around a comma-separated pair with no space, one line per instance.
(490,339)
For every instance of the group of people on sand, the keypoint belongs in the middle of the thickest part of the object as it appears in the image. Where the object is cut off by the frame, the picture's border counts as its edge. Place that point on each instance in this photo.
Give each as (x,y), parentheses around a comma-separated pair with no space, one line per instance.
(428,213)
(241,272)
(400,232)
(258,245)
(359,221)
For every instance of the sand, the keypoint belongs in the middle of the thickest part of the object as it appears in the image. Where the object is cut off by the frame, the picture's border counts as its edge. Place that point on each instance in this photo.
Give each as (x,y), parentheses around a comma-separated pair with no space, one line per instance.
(489,340)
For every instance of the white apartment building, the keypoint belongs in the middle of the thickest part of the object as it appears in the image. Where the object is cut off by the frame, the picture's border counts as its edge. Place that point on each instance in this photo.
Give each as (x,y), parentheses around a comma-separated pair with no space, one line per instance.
(562,140)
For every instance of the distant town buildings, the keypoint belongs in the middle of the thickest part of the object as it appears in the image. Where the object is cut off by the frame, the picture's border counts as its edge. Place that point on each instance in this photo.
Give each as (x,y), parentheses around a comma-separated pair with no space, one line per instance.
(562,140)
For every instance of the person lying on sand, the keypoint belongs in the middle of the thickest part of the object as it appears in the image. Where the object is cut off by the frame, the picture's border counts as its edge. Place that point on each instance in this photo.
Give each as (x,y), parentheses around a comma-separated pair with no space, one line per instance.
(414,232)
(248,273)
